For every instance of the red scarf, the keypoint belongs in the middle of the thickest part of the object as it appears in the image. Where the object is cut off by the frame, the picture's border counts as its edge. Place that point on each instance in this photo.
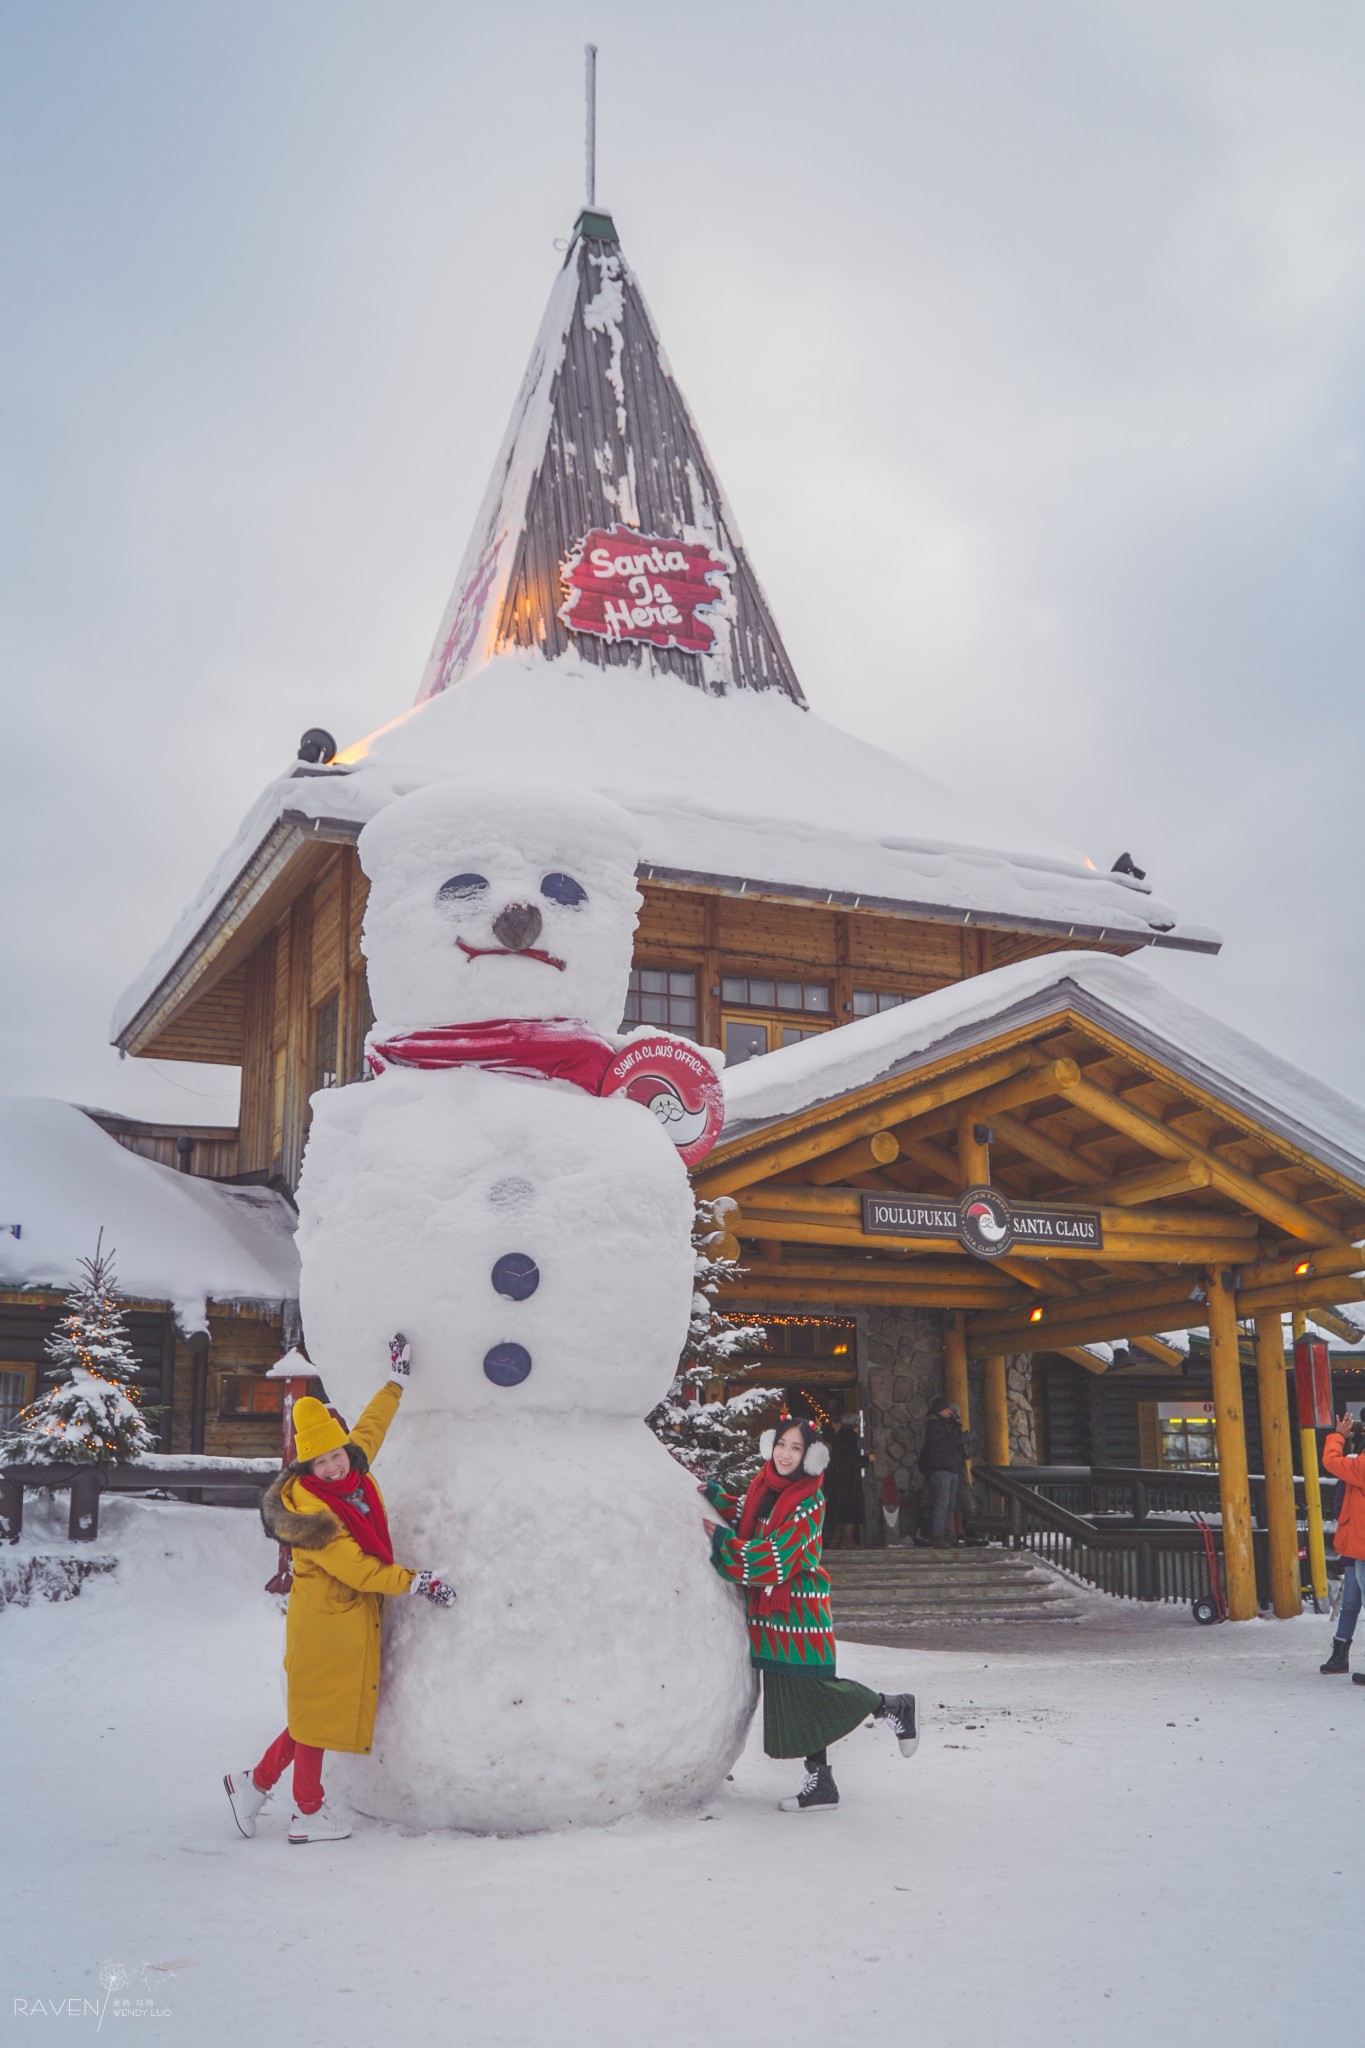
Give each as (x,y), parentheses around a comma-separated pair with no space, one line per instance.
(371,1531)
(791,1493)
(559,1048)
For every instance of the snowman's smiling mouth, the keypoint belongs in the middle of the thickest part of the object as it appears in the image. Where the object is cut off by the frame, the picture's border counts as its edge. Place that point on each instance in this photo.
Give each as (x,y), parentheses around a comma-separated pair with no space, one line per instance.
(511,953)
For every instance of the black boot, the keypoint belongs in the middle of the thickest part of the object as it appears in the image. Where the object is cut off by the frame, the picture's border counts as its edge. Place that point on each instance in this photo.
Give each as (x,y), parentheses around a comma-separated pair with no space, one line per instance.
(1358,1678)
(818,1790)
(1340,1659)
(898,1711)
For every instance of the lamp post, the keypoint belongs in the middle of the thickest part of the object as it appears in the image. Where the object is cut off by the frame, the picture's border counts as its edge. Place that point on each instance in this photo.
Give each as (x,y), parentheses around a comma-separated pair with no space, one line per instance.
(295,1370)
(1313,1391)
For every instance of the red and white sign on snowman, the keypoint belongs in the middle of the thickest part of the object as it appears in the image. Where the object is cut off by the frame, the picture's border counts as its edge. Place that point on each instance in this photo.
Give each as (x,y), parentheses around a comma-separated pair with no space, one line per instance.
(624,585)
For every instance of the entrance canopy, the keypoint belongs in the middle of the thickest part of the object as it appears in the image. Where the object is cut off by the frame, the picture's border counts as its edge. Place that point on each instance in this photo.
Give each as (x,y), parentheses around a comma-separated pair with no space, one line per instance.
(1060,1150)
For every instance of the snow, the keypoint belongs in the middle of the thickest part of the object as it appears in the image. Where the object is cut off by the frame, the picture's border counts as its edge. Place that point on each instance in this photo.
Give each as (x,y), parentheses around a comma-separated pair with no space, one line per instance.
(1121,1830)
(1110,993)
(436,958)
(174,1237)
(746,786)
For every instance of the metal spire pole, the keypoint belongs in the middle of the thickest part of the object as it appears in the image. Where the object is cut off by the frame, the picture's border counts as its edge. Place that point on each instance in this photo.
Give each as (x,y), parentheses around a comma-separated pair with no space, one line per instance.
(590,92)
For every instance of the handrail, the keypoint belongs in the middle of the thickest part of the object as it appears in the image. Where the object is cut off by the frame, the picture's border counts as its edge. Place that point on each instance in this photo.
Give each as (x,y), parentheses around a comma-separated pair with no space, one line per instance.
(88,1482)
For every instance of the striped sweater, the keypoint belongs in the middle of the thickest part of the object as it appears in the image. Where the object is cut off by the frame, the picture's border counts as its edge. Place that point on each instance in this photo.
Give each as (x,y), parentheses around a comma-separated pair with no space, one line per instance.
(803,1636)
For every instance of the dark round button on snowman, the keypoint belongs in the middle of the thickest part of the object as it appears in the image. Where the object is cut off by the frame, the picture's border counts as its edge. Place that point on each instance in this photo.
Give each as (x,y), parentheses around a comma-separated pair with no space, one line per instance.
(532,1237)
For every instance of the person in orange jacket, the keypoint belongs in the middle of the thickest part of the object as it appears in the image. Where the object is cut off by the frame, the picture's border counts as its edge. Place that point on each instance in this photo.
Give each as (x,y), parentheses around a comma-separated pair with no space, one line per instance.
(327,1508)
(1349,1541)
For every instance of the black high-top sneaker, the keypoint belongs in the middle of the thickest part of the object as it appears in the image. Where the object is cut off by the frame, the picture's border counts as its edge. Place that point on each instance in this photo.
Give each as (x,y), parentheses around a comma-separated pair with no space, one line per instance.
(1340,1659)
(818,1792)
(898,1711)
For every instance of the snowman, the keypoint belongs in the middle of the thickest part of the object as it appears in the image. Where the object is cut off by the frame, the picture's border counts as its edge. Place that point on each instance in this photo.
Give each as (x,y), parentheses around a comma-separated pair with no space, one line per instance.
(501,1192)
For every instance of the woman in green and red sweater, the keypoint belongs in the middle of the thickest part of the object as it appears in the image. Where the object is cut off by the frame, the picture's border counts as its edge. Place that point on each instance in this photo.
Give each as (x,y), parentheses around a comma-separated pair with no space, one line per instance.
(774,1553)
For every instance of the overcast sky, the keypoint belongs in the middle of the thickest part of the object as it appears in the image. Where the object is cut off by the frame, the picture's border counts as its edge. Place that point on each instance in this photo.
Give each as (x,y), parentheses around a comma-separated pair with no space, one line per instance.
(1027,339)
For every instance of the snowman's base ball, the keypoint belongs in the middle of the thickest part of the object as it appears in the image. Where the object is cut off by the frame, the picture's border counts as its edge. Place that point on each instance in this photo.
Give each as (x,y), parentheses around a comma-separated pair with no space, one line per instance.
(594,1666)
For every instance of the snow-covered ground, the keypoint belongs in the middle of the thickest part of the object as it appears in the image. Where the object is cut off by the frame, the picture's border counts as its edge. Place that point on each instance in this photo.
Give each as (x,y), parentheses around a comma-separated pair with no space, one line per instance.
(1123,1831)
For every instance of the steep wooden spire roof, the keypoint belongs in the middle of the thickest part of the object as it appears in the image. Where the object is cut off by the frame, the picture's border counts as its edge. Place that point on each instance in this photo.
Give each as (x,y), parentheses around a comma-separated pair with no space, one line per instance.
(601,445)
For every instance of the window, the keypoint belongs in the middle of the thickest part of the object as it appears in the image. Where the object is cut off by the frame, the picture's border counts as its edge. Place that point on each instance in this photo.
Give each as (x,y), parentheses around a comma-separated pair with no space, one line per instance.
(747,1037)
(869,1002)
(1185,1436)
(362,1022)
(662,995)
(753,992)
(241,1394)
(16,1389)
(325,1066)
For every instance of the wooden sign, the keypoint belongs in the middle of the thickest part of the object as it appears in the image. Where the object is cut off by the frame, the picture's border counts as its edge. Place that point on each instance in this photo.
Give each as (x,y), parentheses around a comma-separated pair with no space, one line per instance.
(623,585)
(982,1221)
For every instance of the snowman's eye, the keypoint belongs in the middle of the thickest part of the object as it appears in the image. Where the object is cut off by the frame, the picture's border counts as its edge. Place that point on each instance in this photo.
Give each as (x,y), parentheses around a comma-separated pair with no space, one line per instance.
(460,888)
(564,889)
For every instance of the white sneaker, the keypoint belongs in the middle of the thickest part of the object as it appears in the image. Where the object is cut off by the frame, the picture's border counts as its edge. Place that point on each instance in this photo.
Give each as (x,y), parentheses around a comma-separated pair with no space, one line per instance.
(245,1798)
(322,1826)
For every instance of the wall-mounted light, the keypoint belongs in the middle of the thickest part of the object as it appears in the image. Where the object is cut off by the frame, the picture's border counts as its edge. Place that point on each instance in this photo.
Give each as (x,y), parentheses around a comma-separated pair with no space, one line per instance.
(1303,1269)
(1035,1315)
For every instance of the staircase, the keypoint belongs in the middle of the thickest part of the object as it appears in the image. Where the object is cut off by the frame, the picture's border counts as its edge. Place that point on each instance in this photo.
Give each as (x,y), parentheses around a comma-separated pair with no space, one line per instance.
(881,1596)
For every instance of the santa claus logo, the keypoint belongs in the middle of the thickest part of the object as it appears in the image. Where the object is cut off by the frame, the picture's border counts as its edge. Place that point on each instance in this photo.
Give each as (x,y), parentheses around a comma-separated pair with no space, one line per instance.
(985,1223)
(677,1084)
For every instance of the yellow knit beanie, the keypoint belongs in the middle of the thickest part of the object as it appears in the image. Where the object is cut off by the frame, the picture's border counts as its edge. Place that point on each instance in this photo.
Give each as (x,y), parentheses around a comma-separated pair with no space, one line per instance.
(315,1431)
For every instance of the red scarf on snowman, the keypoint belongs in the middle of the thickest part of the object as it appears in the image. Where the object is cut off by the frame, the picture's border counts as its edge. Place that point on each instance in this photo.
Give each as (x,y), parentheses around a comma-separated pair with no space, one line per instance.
(555,1048)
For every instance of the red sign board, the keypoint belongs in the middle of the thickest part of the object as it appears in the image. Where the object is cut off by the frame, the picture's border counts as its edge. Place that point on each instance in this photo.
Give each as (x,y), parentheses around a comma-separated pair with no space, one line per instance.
(623,585)
(678,1084)
(1313,1382)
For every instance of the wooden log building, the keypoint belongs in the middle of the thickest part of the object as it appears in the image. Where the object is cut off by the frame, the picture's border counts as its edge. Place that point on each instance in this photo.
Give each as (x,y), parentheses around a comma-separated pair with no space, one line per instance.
(970,1144)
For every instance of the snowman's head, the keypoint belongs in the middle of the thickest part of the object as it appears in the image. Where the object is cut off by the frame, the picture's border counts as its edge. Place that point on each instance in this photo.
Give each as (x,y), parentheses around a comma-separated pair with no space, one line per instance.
(493,897)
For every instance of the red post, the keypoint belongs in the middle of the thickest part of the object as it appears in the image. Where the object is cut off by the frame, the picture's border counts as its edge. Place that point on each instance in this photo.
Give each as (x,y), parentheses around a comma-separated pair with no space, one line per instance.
(296,1372)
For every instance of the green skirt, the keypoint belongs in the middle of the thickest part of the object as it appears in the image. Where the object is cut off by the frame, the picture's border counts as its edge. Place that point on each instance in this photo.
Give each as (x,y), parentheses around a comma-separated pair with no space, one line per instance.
(803,1711)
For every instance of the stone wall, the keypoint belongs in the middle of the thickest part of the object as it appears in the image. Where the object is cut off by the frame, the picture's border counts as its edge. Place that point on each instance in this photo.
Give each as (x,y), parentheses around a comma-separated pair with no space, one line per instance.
(1019,1402)
(900,1366)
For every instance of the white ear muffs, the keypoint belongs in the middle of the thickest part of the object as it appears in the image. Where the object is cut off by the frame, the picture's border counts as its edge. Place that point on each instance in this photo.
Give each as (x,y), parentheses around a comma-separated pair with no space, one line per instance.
(766,1442)
(816,1458)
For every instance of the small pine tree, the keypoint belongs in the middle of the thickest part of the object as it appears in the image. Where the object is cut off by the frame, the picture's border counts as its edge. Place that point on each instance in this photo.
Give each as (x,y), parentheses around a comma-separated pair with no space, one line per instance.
(714,1439)
(91,1413)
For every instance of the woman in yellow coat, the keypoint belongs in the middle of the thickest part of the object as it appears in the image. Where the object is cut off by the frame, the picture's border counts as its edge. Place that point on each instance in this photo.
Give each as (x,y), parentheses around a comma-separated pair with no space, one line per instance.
(329,1511)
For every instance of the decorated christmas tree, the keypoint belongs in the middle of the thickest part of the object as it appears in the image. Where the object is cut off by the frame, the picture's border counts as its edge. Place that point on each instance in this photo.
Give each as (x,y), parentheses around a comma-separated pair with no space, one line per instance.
(714,1439)
(90,1412)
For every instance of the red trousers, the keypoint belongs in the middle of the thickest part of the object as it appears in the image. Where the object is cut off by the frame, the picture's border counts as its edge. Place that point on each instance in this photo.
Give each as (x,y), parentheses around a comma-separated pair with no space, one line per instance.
(307,1763)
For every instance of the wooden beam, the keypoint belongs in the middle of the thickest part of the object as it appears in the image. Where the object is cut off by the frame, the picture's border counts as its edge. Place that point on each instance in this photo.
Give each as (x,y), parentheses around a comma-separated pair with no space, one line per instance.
(1349,1333)
(1306,1294)
(813,1133)
(850,1294)
(845,1205)
(973,1155)
(1036,1145)
(924,1152)
(1042,1078)
(1079,1310)
(955,1367)
(1321,1264)
(1122,1248)
(862,1156)
(1165,1354)
(980,1277)
(997,1412)
(1234,1492)
(1153,1183)
(1108,1108)
(1277,1462)
(1078,1356)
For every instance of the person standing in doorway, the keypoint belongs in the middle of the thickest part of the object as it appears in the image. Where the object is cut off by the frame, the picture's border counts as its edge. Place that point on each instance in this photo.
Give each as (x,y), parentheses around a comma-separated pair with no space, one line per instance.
(844,1488)
(943,1461)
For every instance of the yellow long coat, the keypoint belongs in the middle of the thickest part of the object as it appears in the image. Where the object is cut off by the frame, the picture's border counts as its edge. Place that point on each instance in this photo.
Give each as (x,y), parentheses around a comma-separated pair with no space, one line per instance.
(331,1642)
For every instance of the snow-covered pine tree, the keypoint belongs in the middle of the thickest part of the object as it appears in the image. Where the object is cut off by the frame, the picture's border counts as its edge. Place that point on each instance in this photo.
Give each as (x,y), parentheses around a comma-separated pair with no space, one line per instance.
(90,1413)
(714,1439)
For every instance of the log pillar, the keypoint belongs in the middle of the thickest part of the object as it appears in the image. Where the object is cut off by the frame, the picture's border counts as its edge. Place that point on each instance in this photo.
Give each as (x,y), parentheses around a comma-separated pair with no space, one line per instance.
(1277,1454)
(973,1156)
(997,1413)
(1312,1493)
(1239,1558)
(955,1365)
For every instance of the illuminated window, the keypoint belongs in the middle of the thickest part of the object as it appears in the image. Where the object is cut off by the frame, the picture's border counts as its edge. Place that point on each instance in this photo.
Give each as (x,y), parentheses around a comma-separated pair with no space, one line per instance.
(662,995)
(241,1394)
(16,1389)
(868,1002)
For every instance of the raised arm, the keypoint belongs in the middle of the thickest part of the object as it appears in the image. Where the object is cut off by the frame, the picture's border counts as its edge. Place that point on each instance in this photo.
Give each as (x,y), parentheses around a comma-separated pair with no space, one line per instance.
(769,1560)
(373,1426)
(1352,1470)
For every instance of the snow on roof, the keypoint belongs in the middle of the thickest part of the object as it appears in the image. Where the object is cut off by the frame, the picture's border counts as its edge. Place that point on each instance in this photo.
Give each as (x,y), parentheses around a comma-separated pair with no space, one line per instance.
(174,1237)
(1115,993)
(745,788)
